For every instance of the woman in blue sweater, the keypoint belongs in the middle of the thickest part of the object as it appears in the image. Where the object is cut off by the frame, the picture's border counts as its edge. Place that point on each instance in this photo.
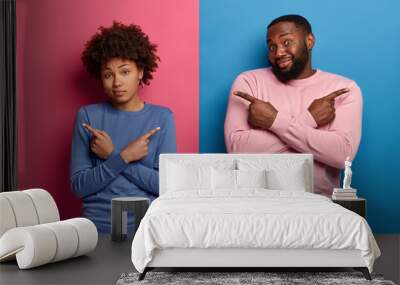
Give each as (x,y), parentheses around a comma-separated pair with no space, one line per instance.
(116,144)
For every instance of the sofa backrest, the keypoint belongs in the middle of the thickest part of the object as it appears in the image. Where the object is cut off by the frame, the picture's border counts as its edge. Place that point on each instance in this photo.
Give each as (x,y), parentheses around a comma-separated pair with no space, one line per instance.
(26,208)
(172,166)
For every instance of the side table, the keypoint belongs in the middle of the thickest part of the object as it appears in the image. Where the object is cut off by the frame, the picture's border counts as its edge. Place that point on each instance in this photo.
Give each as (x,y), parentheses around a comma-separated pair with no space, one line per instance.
(119,215)
(358,205)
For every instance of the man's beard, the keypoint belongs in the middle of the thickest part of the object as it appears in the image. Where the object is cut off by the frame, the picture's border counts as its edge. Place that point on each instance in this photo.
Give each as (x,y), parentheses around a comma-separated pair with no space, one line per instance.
(299,63)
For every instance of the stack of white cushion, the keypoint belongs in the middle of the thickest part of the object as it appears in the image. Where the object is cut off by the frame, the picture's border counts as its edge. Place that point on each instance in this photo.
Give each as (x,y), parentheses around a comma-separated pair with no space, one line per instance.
(31,231)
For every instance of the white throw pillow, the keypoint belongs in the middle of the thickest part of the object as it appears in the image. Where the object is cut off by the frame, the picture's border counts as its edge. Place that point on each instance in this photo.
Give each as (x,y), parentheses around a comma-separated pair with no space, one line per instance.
(182,177)
(293,180)
(223,179)
(251,178)
(280,174)
(227,179)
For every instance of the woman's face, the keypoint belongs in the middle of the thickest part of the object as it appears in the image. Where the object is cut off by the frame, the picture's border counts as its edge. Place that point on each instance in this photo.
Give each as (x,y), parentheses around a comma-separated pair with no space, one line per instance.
(121,79)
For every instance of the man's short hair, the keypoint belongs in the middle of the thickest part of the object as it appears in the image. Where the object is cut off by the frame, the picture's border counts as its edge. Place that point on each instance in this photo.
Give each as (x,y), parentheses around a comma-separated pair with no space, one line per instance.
(298,20)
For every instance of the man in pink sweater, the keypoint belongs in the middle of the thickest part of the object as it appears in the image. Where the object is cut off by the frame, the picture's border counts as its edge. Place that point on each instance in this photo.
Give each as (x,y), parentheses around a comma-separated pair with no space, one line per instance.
(293,108)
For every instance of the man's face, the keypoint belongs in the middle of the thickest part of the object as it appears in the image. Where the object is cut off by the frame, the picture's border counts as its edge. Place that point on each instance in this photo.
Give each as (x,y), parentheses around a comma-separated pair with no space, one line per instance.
(288,52)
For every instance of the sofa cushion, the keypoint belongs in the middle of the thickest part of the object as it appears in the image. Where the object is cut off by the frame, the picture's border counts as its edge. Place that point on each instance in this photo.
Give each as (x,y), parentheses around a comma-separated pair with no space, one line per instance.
(7,218)
(45,205)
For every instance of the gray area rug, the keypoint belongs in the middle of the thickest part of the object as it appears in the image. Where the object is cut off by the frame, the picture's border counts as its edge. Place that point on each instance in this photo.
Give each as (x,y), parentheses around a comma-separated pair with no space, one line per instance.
(270,278)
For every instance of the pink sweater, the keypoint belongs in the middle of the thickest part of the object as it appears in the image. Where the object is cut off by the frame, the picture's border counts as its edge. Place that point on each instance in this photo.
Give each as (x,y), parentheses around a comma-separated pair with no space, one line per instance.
(294,129)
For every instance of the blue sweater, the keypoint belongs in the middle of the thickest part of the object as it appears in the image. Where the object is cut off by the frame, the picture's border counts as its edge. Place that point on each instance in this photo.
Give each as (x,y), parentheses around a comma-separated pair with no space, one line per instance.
(97,181)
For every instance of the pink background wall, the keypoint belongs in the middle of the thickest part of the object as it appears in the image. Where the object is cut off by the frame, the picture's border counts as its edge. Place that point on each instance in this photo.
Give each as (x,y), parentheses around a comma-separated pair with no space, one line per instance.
(52,83)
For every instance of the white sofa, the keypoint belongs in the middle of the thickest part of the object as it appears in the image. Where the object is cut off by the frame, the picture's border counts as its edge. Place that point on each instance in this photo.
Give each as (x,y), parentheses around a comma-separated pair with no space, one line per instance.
(200,193)
(31,231)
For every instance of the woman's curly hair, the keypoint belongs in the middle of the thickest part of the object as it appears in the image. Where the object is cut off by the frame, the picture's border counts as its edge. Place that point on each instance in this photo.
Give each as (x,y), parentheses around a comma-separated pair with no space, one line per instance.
(120,41)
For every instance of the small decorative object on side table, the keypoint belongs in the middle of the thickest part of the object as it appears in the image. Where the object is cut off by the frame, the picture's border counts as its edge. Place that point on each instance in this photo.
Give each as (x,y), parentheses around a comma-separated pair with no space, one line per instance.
(119,215)
(347,196)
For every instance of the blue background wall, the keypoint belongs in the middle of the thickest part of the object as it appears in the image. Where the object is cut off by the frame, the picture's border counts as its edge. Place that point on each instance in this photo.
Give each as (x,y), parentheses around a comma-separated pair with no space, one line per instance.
(357,39)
